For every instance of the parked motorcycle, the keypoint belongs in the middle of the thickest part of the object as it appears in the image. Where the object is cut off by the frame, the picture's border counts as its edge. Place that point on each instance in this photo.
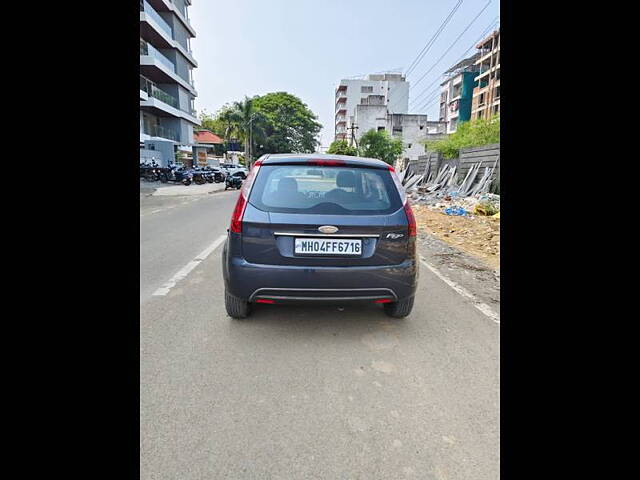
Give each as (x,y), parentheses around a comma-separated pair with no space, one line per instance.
(178,175)
(233,181)
(198,177)
(150,172)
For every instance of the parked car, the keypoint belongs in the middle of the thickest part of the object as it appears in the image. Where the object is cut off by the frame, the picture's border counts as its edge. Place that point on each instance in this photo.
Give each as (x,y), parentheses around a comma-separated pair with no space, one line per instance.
(231,168)
(348,237)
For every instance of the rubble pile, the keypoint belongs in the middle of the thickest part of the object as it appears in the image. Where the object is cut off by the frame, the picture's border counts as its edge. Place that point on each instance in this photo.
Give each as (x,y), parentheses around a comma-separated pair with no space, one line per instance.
(442,191)
(462,214)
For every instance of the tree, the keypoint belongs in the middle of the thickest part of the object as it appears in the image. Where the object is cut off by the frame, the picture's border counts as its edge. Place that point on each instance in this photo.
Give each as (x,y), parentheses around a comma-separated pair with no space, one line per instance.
(468,134)
(378,144)
(341,147)
(250,122)
(289,127)
(210,122)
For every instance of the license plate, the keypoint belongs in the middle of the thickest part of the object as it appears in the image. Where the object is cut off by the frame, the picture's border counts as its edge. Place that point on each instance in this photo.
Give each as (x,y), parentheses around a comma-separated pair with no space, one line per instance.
(327,246)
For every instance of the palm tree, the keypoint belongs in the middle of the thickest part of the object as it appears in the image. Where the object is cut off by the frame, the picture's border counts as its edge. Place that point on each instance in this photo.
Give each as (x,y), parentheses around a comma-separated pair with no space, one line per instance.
(250,124)
(228,116)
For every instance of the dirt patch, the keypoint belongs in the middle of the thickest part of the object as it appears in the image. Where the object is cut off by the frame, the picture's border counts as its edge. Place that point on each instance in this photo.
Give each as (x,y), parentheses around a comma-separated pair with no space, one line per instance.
(476,235)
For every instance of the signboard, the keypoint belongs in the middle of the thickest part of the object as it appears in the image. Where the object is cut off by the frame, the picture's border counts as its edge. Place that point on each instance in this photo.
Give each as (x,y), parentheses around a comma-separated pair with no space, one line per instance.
(202,158)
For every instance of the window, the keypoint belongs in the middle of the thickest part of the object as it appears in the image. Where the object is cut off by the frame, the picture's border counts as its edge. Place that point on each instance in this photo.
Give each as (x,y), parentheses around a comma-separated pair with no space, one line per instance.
(409,145)
(421,127)
(481,100)
(380,129)
(324,190)
(364,89)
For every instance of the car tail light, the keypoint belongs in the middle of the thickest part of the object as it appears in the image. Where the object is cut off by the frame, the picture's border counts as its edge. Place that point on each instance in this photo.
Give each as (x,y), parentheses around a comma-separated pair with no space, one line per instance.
(411,219)
(264,300)
(241,204)
(238,213)
(384,300)
(325,163)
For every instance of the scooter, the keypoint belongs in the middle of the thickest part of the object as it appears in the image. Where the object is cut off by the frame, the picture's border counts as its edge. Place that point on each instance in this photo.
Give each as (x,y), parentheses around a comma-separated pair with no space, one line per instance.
(233,181)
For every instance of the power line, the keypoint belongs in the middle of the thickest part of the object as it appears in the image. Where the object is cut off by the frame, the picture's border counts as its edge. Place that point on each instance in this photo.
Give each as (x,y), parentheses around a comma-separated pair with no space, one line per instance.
(454,42)
(419,104)
(430,43)
(432,100)
(429,96)
(482,35)
(447,51)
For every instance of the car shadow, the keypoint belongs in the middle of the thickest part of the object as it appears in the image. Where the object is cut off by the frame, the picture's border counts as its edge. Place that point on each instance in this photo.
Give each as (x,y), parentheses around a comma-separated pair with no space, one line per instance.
(346,322)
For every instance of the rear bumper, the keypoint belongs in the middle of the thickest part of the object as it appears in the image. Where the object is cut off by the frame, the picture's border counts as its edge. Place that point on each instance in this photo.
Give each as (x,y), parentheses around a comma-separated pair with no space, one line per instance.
(252,281)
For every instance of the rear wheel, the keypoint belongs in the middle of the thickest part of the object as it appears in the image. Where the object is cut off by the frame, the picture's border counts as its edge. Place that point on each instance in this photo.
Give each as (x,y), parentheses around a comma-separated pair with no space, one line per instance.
(236,307)
(399,309)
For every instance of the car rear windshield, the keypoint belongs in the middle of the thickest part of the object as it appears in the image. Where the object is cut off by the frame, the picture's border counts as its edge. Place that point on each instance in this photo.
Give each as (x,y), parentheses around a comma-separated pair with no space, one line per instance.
(325,190)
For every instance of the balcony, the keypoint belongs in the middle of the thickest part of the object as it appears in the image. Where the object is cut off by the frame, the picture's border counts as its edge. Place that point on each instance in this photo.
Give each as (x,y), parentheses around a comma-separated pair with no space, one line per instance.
(152,90)
(155,16)
(151,51)
(182,15)
(159,131)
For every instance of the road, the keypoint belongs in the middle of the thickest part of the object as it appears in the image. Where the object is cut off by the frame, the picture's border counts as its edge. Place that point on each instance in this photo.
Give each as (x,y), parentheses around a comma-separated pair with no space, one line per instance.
(304,393)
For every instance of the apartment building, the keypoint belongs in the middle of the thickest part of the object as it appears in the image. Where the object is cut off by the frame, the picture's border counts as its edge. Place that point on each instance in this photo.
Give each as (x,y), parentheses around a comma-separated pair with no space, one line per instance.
(167,90)
(486,95)
(390,90)
(413,129)
(456,93)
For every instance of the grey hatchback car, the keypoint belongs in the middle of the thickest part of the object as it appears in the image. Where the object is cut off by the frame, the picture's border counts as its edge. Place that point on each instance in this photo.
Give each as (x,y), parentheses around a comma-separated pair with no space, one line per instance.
(321,228)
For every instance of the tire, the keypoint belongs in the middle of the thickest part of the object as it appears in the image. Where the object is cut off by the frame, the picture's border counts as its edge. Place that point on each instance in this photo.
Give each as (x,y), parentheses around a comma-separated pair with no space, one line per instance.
(209,180)
(236,307)
(399,309)
(186,182)
(164,178)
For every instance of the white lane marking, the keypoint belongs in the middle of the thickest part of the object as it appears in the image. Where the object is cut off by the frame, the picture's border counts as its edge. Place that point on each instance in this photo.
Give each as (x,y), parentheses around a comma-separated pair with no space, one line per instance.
(483,307)
(156,211)
(186,270)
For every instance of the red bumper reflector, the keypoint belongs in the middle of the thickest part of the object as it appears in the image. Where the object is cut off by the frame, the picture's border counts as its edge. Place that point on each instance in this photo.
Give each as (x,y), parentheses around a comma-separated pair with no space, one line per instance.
(384,300)
(264,300)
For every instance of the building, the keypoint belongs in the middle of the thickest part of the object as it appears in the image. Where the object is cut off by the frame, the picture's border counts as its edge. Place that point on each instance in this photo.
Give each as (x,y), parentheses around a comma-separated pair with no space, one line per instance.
(486,96)
(390,90)
(456,93)
(208,148)
(167,92)
(414,129)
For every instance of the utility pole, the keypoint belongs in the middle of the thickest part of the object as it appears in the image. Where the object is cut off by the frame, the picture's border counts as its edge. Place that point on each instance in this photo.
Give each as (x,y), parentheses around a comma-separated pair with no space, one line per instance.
(248,159)
(353,128)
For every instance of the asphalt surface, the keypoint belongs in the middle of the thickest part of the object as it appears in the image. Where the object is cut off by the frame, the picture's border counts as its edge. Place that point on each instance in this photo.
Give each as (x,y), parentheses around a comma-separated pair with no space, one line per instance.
(304,393)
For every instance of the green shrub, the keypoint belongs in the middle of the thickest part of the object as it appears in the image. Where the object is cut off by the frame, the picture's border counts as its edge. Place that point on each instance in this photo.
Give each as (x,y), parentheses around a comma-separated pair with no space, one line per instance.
(469,134)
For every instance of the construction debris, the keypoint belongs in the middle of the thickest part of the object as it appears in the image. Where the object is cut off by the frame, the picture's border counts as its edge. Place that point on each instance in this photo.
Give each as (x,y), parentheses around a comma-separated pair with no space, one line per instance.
(455,211)
(461,213)
(442,190)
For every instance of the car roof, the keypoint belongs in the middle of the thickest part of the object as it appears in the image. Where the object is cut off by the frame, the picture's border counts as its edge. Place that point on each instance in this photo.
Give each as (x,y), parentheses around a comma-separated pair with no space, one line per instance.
(275,158)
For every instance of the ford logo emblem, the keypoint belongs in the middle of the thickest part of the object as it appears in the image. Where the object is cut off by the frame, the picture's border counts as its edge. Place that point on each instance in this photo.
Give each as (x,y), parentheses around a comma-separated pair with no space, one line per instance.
(328,229)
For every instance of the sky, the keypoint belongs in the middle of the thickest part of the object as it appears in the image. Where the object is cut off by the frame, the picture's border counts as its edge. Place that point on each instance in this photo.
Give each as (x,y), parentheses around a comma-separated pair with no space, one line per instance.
(305,47)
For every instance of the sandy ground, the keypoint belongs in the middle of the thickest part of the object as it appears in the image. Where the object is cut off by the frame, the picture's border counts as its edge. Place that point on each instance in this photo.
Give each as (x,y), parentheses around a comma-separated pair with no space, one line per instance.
(477,235)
